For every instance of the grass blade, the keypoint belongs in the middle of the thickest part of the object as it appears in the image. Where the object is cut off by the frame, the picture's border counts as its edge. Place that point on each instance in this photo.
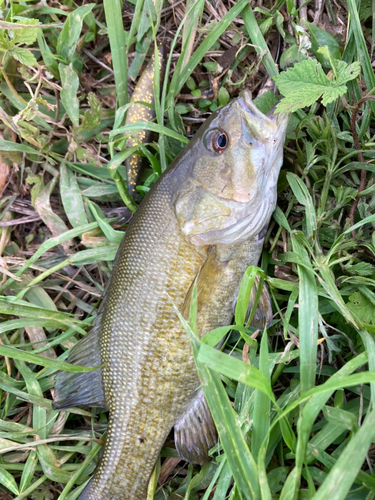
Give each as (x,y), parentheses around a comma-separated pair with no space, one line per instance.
(239,458)
(262,403)
(363,55)
(308,319)
(344,472)
(257,39)
(116,33)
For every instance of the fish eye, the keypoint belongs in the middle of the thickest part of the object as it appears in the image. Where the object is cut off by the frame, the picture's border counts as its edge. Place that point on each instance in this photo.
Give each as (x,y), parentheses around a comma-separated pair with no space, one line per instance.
(221,141)
(217,141)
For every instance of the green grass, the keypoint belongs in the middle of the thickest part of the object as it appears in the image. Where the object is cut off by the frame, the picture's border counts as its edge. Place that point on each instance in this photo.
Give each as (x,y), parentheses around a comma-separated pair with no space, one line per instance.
(297,421)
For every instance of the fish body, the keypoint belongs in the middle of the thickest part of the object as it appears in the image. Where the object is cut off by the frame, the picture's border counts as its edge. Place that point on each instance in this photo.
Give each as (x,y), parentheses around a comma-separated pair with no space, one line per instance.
(137,112)
(203,221)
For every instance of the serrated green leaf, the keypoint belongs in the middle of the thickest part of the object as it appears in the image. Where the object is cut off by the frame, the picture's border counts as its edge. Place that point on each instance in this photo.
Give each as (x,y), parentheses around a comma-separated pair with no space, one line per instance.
(299,99)
(333,94)
(70,84)
(37,182)
(24,56)
(26,36)
(91,118)
(5,43)
(347,72)
(361,307)
(302,75)
(306,82)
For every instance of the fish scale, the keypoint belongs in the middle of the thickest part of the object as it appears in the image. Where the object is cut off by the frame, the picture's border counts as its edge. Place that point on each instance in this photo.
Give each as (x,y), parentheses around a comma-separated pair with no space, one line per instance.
(176,238)
(136,368)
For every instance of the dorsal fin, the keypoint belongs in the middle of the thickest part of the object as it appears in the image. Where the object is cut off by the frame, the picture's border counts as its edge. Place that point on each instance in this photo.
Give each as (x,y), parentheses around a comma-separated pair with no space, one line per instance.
(195,432)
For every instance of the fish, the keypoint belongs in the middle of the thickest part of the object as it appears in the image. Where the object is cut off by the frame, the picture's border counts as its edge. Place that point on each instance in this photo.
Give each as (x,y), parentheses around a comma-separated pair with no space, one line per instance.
(203,223)
(137,112)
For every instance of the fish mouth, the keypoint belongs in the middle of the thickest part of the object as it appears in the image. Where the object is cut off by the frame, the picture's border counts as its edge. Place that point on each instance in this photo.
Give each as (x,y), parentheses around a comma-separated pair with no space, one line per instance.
(265,128)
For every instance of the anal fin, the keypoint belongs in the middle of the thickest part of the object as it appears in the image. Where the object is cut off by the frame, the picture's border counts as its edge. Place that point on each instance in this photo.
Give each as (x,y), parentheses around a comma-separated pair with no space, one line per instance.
(82,389)
(195,432)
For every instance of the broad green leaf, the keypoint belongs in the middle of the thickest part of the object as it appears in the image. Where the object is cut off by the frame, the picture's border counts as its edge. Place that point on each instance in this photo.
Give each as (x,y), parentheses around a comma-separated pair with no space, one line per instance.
(266,101)
(53,221)
(68,38)
(7,480)
(223,96)
(71,197)
(321,38)
(70,85)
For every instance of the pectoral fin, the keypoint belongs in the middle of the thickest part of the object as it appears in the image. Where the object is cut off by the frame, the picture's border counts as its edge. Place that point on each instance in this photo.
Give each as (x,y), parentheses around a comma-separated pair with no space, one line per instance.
(82,389)
(263,313)
(195,432)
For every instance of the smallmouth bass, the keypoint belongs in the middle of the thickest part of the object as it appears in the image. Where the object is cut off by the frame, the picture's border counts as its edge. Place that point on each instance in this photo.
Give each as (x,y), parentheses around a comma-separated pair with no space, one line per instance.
(204,220)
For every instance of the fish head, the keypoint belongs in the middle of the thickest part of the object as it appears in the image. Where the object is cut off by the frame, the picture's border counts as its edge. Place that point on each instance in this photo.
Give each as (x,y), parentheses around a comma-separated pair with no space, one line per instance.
(231,192)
